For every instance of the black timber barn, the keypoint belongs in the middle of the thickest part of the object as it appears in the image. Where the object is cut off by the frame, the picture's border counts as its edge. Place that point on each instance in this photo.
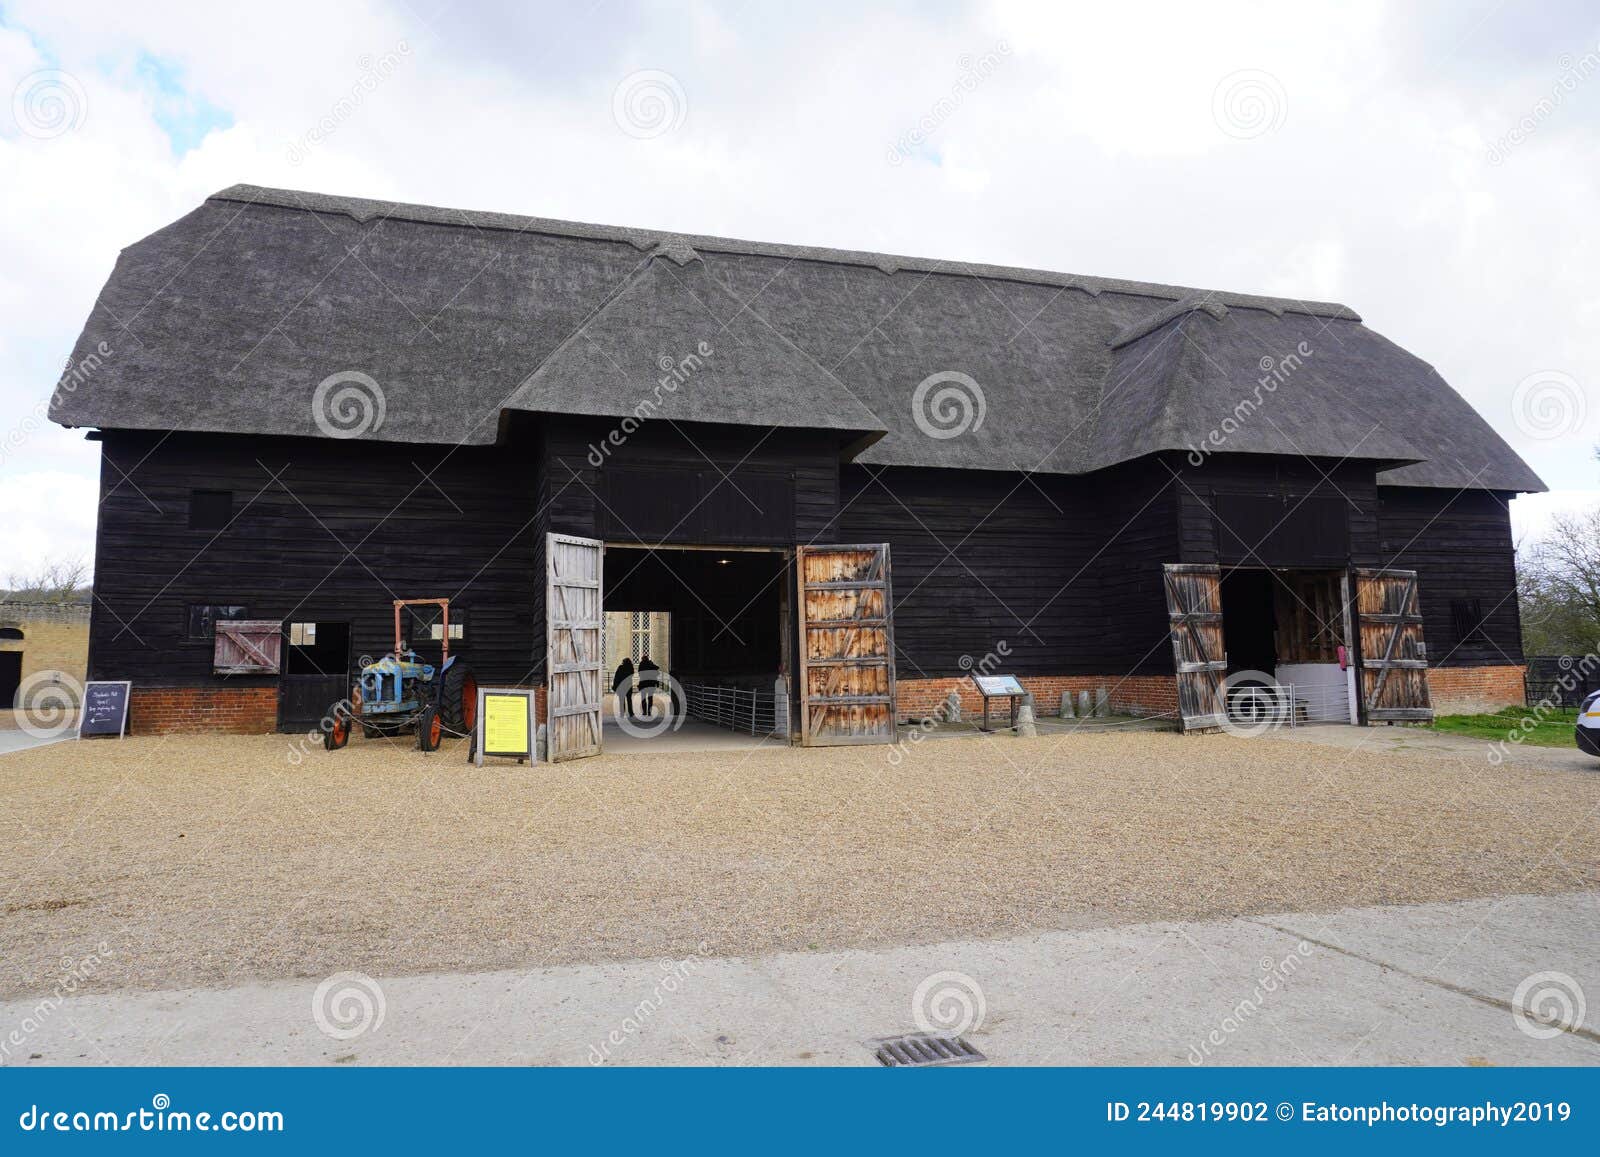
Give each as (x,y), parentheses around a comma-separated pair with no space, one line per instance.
(858,477)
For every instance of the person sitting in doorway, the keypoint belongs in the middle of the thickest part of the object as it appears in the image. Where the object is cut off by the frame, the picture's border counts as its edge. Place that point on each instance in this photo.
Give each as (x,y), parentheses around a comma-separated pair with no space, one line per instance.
(649,682)
(622,684)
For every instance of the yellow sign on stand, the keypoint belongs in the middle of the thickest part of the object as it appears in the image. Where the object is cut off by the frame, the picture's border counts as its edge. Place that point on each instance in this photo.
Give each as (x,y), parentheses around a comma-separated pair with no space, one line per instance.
(505,724)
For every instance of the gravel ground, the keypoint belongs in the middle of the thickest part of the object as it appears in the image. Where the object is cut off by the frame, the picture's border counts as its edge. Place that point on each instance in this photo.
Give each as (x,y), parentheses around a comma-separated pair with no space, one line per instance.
(208,861)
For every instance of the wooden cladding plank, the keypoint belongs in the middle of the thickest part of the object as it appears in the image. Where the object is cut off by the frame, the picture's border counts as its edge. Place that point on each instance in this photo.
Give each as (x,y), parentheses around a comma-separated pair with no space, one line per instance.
(1194,610)
(575,631)
(847,645)
(1394,655)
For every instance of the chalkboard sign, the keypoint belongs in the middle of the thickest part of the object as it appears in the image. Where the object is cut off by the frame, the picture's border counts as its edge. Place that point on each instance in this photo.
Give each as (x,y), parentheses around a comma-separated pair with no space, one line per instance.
(505,724)
(105,709)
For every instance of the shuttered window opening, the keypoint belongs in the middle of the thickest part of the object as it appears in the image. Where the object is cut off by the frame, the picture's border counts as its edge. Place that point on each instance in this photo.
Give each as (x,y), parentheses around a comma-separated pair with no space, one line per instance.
(210,509)
(248,647)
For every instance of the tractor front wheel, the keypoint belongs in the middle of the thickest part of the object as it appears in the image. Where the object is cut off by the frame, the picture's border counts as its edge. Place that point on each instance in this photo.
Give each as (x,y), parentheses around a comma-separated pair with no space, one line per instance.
(458,699)
(429,730)
(337,734)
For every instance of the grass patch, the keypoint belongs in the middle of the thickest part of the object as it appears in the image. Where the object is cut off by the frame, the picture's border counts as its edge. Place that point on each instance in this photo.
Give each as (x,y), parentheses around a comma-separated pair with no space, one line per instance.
(1551,730)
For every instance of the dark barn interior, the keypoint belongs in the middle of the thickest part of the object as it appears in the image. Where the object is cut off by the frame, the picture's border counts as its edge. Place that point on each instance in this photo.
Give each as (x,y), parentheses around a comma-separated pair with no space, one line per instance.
(726,606)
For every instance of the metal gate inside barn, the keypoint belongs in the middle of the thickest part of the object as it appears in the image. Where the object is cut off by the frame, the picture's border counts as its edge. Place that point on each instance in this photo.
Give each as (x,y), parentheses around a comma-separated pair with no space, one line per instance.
(831,635)
(1295,645)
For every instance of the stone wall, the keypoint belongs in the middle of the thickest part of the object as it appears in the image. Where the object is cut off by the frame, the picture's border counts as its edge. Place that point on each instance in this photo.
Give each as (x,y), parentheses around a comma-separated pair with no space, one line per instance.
(55,638)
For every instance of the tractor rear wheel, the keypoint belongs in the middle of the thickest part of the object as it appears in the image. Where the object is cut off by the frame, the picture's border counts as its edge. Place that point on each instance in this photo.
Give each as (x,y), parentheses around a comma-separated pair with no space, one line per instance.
(458,699)
(429,729)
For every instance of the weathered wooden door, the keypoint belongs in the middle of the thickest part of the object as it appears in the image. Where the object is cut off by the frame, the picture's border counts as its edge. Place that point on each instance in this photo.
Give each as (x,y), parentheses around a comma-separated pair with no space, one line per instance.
(846,645)
(574,630)
(1194,614)
(1394,658)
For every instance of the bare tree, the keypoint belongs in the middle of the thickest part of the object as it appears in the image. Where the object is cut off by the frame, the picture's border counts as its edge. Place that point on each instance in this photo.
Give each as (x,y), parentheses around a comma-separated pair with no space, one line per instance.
(1558,579)
(63,581)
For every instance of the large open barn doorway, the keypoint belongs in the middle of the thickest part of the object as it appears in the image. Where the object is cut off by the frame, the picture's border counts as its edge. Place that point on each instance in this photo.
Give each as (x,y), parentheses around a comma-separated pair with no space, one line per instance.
(1288,630)
(1259,647)
(697,647)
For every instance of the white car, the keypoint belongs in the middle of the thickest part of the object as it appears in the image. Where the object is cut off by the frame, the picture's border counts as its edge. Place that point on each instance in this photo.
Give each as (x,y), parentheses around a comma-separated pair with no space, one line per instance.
(1588,729)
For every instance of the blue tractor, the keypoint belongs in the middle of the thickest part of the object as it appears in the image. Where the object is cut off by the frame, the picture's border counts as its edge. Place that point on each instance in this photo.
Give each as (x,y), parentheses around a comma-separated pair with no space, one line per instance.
(400,691)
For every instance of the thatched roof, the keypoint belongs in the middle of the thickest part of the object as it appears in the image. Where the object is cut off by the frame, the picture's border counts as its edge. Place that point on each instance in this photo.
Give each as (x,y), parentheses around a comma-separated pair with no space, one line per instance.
(229,319)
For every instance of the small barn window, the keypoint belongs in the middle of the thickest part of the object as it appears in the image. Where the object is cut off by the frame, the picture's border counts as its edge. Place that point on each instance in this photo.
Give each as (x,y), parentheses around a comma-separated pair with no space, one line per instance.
(302,634)
(1466,615)
(10,634)
(210,509)
(203,618)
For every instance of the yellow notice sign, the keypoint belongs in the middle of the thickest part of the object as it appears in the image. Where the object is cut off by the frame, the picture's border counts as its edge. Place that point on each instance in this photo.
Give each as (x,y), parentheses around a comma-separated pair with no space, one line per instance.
(505,723)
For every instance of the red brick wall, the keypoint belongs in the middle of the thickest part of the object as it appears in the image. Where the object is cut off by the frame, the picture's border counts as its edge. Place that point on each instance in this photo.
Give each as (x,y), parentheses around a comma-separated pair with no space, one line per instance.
(1470,690)
(1129,694)
(231,710)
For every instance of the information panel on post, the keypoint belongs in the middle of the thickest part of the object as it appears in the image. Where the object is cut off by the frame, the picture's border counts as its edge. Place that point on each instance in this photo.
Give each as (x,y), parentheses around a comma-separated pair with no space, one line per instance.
(505,724)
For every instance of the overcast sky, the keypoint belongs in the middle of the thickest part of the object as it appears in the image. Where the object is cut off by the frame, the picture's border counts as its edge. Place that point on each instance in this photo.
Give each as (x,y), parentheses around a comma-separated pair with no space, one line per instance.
(1434,166)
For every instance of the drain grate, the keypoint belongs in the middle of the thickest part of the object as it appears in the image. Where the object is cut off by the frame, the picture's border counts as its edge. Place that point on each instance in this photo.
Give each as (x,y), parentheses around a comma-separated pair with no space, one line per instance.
(920,1049)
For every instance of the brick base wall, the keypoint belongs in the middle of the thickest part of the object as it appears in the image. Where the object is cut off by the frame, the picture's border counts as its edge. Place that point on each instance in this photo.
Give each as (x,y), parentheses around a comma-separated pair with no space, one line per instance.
(229,710)
(1129,694)
(1471,690)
